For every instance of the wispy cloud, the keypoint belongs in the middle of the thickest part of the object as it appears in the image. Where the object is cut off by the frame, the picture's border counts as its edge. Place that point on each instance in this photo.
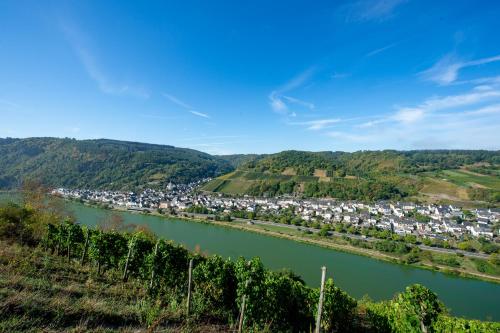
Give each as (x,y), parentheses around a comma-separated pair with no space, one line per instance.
(340,75)
(318,124)
(380,50)
(77,41)
(9,104)
(277,99)
(212,137)
(199,114)
(447,69)
(348,136)
(490,109)
(177,101)
(73,130)
(297,101)
(372,10)
(409,115)
(184,105)
(155,116)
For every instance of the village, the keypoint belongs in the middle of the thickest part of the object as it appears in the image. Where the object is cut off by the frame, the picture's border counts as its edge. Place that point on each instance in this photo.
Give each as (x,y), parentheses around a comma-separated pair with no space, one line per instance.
(402,218)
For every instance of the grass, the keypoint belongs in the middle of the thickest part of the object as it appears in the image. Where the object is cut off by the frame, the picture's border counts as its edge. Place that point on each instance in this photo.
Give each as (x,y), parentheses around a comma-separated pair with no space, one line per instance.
(468,179)
(42,292)
(441,189)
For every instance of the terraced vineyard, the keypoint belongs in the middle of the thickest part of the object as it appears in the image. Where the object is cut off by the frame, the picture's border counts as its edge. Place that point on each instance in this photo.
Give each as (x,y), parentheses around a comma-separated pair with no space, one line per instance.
(462,177)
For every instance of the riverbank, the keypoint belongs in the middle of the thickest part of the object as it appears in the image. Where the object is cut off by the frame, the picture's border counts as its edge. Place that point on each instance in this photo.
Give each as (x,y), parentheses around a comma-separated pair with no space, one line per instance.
(466,269)
(315,240)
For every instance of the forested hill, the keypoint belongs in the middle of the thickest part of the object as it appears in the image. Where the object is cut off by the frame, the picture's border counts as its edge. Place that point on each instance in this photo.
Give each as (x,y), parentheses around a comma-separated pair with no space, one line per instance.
(369,162)
(457,175)
(105,164)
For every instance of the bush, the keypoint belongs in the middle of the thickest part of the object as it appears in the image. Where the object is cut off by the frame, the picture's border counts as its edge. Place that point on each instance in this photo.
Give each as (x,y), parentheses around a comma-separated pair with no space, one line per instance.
(16,223)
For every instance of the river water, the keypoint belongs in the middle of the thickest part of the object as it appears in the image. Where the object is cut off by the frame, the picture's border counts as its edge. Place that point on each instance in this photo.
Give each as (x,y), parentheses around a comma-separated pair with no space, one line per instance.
(358,275)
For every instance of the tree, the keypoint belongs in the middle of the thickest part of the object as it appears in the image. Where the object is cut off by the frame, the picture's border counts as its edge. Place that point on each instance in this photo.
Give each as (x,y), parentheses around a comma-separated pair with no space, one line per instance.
(324,231)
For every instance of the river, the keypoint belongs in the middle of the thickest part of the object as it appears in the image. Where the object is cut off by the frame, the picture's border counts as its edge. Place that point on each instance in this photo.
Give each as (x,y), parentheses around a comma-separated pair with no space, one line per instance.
(356,274)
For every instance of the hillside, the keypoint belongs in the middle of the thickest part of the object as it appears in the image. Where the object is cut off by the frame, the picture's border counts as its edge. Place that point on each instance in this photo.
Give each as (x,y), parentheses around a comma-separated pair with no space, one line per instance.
(62,277)
(105,164)
(454,175)
(239,159)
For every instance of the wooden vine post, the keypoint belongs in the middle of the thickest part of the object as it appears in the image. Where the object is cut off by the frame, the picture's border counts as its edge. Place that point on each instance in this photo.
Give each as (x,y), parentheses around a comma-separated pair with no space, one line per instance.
(243,304)
(85,247)
(69,244)
(153,266)
(190,278)
(321,297)
(125,270)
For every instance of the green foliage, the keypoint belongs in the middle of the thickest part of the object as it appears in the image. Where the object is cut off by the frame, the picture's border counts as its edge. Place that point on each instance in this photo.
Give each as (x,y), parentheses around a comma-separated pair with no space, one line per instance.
(288,303)
(171,263)
(452,324)
(198,209)
(338,309)
(275,301)
(102,164)
(141,245)
(16,223)
(414,310)
(215,288)
(107,249)
(392,246)
(251,277)
(364,175)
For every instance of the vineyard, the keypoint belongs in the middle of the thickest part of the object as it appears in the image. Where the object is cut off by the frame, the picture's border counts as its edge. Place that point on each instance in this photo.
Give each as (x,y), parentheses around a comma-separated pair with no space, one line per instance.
(242,293)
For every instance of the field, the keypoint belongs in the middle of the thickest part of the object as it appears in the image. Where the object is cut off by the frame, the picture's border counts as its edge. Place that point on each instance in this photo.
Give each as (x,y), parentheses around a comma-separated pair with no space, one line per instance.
(238,182)
(455,186)
(438,189)
(471,179)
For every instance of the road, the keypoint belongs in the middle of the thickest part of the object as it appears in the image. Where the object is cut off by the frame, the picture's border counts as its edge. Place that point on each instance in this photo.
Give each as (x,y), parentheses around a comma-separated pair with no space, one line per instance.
(359,237)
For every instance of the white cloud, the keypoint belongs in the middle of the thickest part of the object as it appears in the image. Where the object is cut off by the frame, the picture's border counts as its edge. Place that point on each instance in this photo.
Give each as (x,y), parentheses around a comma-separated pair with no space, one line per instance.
(77,41)
(408,115)
(276,103)
(380,50)
(277,99)
(319,124)
(348,136)
(435,104)
(372,123)
(199,114)
(184,105)
(299,102)
(9,103)
(446,70)
(340,75)
(372,10)
(490,109)
(177,101)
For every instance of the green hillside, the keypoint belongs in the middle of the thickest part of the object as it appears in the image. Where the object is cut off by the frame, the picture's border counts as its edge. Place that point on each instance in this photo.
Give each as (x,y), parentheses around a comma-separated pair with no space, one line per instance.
(455,175)
(102,163)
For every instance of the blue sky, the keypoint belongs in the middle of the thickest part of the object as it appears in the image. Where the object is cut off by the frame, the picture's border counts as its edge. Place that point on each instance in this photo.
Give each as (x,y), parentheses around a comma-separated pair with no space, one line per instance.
(254,77)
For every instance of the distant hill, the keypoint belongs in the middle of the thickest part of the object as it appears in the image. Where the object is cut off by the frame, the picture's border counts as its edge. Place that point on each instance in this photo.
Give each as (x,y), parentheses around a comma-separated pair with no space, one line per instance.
(105,164)
(430,175)
(239,159)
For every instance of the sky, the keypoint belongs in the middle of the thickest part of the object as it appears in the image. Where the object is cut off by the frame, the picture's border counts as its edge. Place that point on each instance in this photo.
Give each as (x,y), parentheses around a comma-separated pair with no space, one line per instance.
(229,77)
